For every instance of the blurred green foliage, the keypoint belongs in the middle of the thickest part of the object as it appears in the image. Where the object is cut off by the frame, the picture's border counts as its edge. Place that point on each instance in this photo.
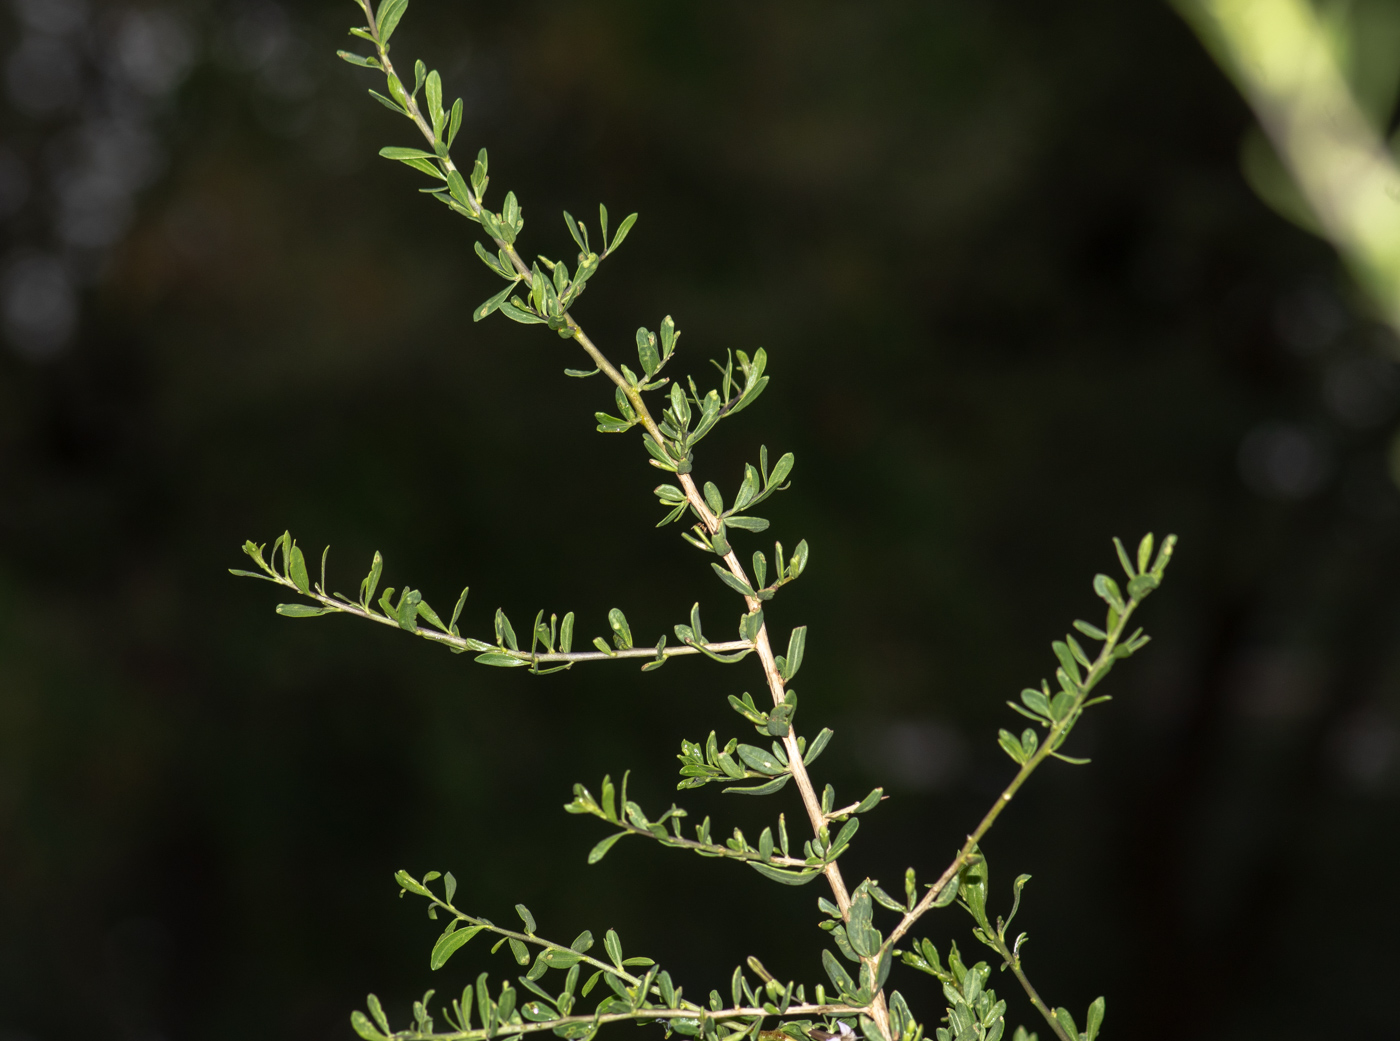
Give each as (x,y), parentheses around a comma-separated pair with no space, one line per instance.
(1001,255)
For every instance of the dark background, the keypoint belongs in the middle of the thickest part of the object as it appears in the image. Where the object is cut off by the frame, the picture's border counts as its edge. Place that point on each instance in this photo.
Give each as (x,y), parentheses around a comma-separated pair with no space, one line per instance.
(1017,300)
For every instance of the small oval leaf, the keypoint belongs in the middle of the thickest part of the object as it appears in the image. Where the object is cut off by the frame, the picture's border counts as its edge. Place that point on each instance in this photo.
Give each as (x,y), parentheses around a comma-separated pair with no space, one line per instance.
(448,943)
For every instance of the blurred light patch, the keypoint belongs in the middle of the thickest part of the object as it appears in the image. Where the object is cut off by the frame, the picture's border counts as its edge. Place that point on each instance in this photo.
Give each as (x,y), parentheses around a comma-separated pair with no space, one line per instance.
(1361,392)
(14,183)
(1284,461)
(40,306)
(916,755)
(1369,491)
(1309,320)
(257,36)
(1275,685)
(155,50)
(51,16)
(43,77)
(105,163)
(1363,749)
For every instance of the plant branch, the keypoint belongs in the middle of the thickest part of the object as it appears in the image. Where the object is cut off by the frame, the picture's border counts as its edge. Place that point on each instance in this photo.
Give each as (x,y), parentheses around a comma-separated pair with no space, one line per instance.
(513,1029)
(1013,962)
(1057,733)
(341,605)
(684,1009)
(715,850)
(760,644)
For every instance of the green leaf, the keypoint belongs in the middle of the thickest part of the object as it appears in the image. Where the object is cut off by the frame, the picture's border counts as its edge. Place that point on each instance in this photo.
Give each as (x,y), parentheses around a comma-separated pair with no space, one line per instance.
(611,943)
(404,154)
(407,881)
(505,633)
(561,959)
(747,523)
(296,570)
(407,610)
(390,11)
(458,187)
(1107,589)
(798,563)
(300,610)
(377,1011)
(622,632)
(448,943)
(817,746)
(750,395)
(1066,1021)
(364,1027)
(527,918)
(734,583)
(1091,631)
(762,789)
(457,611)
(1036,701)
(454,122)
(844,836)
(783,875)
(250,574)
(1063,653)
(493,262)
(712,496)
(622,231)
(1144,557)
(500,659)
(646,351)
(434,98)
(797,643)
(1123,558)
(761,760)
(1143,584)
(1012,746)
(600,851)
(371,581)
(516,313)
(360,60)
(871,801)
(430,616)
(493,304)
(947,894)
(392,106)
(836,972)
(611,424)
(575,233)
(1096,1010)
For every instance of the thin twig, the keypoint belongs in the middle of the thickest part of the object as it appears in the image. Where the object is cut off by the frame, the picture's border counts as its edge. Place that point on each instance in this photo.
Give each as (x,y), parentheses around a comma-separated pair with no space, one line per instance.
(1046,749)
(466,643)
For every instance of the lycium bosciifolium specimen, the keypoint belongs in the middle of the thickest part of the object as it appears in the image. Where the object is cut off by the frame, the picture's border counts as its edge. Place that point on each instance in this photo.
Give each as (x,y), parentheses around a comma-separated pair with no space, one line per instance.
(674,416)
